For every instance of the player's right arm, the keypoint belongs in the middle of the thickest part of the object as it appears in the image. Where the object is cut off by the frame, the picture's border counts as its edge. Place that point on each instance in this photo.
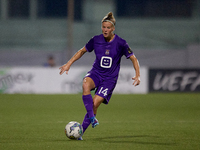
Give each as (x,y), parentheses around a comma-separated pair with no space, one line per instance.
(74,58)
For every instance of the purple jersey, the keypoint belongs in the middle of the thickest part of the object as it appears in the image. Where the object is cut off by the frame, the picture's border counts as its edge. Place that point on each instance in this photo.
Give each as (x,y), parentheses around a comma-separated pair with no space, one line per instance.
(108,55)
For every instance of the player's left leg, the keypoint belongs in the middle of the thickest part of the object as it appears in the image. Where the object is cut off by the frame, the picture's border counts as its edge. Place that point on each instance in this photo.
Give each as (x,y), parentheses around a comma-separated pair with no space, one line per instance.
(97,100)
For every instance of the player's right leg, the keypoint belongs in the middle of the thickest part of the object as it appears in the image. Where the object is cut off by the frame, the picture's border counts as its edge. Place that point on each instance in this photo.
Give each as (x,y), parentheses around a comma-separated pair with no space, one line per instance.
(97,100)
(88,84)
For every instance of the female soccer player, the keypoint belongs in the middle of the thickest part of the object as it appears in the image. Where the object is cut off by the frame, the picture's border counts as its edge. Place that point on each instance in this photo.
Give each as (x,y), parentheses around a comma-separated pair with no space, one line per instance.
(108,48)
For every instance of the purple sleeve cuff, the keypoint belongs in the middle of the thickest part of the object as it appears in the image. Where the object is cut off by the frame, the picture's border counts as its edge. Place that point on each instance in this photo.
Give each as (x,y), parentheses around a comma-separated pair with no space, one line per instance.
(86,48)
(129,56)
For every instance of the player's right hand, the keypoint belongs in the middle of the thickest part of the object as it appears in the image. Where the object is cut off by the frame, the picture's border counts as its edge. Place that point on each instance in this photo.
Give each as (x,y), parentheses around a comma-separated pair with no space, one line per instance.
(64,68)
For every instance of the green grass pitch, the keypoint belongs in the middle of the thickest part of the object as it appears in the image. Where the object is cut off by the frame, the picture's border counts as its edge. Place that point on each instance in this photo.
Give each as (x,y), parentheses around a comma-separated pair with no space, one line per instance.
(130,122)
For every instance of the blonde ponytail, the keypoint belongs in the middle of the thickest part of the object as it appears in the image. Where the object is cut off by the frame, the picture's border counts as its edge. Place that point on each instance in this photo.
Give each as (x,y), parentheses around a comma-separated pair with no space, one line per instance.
(109,18)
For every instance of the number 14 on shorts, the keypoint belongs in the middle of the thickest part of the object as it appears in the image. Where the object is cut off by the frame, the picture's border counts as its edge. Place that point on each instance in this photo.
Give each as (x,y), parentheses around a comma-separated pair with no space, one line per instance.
(103,91)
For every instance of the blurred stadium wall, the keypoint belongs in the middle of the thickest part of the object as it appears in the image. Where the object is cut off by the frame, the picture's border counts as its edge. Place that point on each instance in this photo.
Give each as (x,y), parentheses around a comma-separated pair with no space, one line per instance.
(162,34)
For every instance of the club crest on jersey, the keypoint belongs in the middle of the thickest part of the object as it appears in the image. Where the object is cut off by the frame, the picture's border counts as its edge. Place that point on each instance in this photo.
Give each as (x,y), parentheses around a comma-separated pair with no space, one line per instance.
(107,52)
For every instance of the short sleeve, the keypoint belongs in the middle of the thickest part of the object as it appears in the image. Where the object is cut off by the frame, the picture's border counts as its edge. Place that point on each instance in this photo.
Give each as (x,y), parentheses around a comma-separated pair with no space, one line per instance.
(127,51)
(90,45)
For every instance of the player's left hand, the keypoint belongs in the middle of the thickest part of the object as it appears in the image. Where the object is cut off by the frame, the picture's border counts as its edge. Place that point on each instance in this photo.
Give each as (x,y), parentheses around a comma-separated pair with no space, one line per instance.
(136,81)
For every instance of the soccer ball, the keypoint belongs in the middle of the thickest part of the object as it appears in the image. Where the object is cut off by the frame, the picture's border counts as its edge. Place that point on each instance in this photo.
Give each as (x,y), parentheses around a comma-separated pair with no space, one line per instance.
(73,130)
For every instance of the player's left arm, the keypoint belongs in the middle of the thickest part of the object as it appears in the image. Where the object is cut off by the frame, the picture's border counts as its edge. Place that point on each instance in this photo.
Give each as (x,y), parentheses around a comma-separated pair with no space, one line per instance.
(137,70)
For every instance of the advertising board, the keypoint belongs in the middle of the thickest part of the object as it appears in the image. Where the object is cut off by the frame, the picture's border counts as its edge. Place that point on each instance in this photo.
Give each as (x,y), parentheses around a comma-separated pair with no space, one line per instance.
(48,80)
(174,80)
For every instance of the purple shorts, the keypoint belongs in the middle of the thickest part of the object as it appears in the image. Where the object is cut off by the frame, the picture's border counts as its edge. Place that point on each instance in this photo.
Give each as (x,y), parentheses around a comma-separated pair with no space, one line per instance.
(103,88)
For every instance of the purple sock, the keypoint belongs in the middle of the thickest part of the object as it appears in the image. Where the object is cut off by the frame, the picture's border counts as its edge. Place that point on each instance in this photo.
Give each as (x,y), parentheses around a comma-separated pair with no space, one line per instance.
(88,102)
(86,122)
